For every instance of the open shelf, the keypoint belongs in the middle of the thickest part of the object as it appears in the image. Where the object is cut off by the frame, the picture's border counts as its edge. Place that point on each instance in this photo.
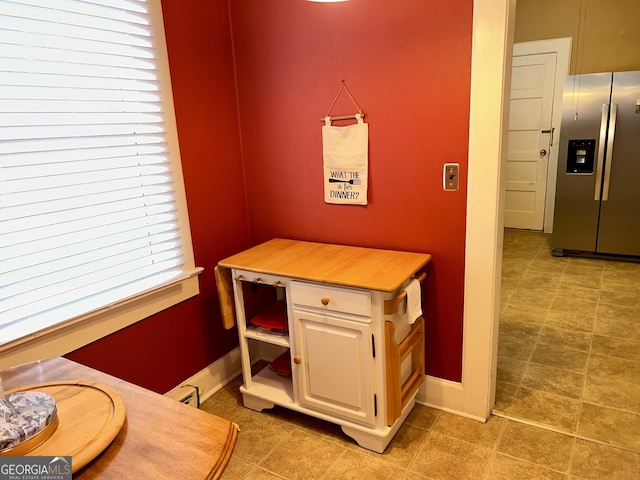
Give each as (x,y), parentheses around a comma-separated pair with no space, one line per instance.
(263,336)
(270,386)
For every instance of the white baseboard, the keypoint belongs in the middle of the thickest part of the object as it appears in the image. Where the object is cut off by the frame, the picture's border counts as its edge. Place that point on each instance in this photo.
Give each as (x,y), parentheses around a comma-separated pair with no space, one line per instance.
(212,378)
(447,396)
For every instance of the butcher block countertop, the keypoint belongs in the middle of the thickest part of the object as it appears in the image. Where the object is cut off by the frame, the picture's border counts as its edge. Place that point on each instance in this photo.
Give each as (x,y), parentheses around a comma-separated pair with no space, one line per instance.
(358,267)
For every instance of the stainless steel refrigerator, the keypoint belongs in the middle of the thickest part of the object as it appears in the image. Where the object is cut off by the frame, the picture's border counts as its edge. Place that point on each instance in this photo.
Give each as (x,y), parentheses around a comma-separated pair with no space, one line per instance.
(597,209)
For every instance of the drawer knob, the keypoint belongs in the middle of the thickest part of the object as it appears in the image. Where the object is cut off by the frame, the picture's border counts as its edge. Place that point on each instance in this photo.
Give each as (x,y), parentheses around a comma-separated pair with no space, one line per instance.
(256,280)
(325,300)
(297,360)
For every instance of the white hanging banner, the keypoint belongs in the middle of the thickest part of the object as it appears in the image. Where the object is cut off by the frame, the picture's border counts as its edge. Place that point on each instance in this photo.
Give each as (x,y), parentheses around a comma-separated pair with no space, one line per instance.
(345,152)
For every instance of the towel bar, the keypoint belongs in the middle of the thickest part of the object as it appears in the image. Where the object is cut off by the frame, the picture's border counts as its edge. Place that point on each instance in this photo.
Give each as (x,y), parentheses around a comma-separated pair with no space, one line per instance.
(390,306)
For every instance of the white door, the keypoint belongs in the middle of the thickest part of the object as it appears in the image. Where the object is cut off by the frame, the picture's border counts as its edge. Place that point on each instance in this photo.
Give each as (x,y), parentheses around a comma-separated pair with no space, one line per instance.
(333,359)
(531,108)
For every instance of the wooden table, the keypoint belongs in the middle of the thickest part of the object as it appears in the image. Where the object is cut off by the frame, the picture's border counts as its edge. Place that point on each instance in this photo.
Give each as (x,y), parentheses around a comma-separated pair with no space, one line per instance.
(160,439)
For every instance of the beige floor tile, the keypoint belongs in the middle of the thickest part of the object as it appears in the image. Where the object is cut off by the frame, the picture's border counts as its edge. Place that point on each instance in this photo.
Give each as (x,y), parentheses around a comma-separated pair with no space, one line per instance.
(560,357)
(571,321)
(513,326)
(586,280)
(224,410)
(616,427)
(607,392)
(309,425)
(544,262)
(414,476)
(576,301)
(403,448)
(531,238)
(506,394)
(511,370)
(291,458)
(230,393)
(554,380)
(592,461)
(532,301)
(353,465)
(517,250)
(545,408)
(618,312)
(422,417)
(257,437)
(260,474)
(536,445)
(540,282)
(518,348)
(507,468)
(237,469)
(511,235)
(615,294)
(509,285)
(512,270)
(484,435)
(565,338)
(615,347)
(445,458)
(621,274)
(613,368)
(617,327)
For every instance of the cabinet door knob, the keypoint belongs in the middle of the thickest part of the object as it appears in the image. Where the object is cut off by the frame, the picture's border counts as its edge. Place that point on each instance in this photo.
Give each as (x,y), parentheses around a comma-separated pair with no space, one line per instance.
(325,300)
(297,360)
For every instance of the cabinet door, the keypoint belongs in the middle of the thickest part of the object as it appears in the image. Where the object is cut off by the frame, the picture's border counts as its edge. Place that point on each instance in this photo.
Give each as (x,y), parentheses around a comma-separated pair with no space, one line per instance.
(334,366)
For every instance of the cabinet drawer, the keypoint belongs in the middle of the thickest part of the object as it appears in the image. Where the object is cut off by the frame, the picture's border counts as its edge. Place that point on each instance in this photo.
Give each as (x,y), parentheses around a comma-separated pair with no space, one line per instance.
(335,299)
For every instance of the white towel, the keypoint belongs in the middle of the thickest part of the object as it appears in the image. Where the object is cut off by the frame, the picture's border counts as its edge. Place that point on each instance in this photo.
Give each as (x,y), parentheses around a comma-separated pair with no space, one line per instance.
(414,301)
(345,152)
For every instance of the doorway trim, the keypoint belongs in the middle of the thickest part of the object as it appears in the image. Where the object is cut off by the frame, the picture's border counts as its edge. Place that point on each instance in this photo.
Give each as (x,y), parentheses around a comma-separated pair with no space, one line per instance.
(474,396)
(562,48)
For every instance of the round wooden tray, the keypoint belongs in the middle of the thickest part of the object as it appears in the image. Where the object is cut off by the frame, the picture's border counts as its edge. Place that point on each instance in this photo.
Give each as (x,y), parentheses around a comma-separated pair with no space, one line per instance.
(90,416)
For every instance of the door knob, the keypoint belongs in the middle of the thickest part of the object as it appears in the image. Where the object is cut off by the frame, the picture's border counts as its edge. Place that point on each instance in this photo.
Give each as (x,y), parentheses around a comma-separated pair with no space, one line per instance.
(543,152)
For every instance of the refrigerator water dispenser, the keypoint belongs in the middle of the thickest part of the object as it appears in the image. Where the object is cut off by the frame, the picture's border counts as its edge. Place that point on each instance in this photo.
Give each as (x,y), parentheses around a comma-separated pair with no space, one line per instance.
(580,156)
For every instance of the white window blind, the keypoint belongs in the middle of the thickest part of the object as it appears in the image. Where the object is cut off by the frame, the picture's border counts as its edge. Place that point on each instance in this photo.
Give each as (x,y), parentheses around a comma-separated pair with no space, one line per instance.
(92,209)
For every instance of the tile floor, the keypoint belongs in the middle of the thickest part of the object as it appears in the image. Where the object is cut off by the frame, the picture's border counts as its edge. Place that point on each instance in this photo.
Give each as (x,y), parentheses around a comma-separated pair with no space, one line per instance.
(431,445)
(569,343)
(568,359)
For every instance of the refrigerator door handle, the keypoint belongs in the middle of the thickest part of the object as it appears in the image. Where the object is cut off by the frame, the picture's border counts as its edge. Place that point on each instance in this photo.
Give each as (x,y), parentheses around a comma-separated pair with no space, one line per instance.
(609,159)
(600,153)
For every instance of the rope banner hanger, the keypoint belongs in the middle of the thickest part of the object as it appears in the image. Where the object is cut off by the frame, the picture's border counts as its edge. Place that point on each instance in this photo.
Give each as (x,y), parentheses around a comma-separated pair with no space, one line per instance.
(343,86)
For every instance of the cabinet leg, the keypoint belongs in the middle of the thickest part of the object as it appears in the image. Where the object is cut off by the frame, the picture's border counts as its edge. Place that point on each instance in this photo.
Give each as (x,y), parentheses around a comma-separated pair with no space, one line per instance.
(255,403)
(366,440)
(378,439)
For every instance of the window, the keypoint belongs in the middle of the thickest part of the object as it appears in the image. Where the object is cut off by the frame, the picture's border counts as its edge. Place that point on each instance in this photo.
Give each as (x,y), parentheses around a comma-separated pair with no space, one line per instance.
(92,207)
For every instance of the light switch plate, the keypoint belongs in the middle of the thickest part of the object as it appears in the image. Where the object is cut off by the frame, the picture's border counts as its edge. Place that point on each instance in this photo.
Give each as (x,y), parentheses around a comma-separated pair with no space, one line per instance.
(450,176)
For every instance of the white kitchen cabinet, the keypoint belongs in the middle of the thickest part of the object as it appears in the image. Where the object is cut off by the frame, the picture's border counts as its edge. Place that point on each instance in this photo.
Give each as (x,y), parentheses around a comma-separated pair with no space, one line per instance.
(355,360)
(334,364)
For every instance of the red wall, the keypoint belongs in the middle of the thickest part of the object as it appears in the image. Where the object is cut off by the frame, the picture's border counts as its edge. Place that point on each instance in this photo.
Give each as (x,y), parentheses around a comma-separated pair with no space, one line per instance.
(407,64)
(163,350)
